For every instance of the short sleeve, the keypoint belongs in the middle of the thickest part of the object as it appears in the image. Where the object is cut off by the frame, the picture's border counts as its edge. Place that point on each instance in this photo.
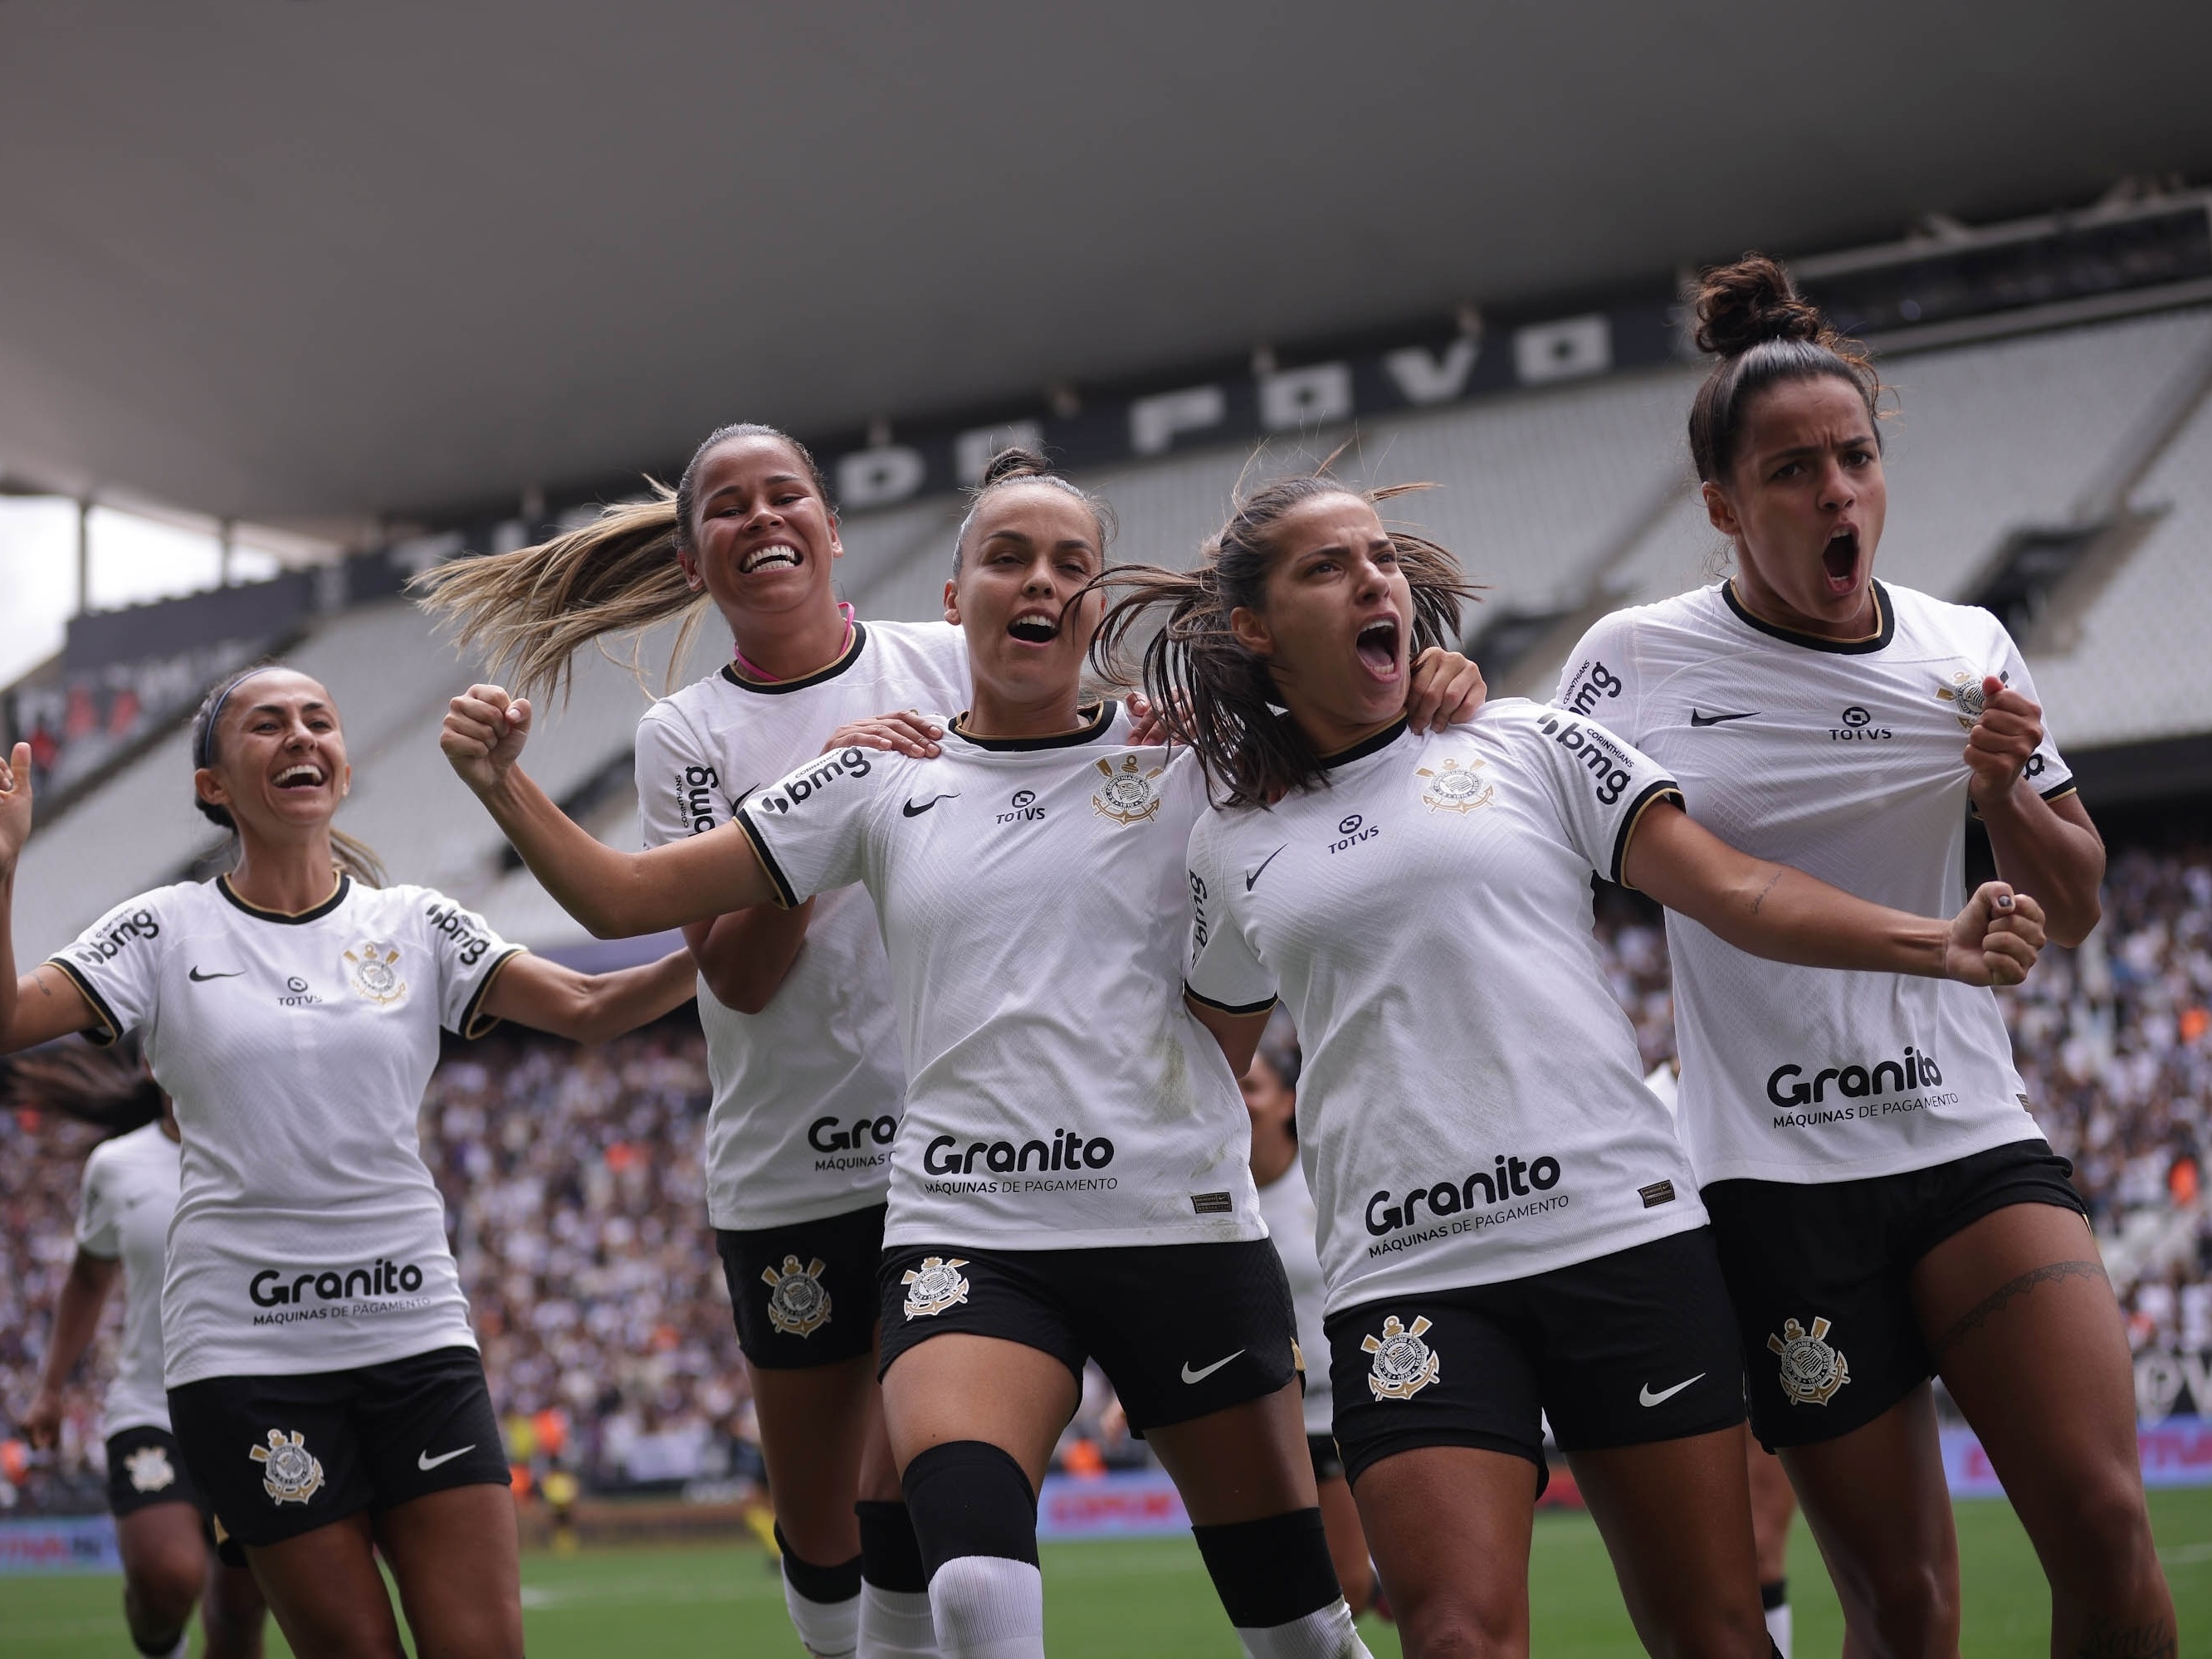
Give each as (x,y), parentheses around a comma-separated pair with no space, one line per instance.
(117,962)
(811,827)
(680,787)
(1599,681)
(1601,784)
(98,1232)
(1222,972)
(469,956)
(2046,770)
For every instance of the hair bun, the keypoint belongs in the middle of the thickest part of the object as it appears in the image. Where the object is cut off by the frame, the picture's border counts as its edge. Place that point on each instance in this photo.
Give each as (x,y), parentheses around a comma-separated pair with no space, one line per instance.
(1750,302)
(1014,462)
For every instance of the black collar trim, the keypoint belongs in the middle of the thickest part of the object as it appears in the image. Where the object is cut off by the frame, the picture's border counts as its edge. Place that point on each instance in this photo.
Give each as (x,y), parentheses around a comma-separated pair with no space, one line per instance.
(1097,719)
(1366,746)
(1878,640)
(846,659)
(289,919)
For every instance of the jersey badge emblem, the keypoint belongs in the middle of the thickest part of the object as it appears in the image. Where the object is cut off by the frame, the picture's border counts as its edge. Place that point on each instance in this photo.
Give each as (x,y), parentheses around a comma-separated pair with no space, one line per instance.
(1128,796)
(1812,1370)
(1404,1365)
(150,1469)
(372,968)
(290,1474)
(1454,788)
(1964,694)
(934,1286)
(797,1303)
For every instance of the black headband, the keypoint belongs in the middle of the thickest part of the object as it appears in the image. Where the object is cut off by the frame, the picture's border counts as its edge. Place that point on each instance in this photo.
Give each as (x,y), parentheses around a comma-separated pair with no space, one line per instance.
(204,749)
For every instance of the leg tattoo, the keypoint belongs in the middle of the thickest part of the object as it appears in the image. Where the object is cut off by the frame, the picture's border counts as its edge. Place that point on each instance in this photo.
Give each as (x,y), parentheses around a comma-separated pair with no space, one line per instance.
(1989,1304)
(2107,1639)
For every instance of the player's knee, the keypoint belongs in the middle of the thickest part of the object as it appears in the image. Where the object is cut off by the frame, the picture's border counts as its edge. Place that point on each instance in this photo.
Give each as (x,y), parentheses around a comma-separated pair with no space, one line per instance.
(162,1589)
(969,1497)
(1272,1572)
(1459,1630)
(1909,1610)
(2107,1558)
(1736,1630)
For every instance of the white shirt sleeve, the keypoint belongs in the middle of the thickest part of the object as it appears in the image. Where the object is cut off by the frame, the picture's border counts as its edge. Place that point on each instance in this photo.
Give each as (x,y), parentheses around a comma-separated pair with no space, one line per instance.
(811,826)
(680,790)
(1600,680)
(97,1232)
(2046,771)
(468,956)
(117,962)
(1223,972)
(1600,784)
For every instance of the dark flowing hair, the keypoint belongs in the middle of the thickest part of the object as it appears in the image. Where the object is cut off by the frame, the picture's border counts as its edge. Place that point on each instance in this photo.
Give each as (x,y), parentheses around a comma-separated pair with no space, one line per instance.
(1018,466)
(1215,695)
(1764,332)
(530,610)
(356,858)
(109,1089)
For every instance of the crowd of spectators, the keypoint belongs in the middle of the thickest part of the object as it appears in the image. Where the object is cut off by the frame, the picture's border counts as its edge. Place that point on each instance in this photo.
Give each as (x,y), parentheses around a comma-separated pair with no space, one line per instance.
(576,1199)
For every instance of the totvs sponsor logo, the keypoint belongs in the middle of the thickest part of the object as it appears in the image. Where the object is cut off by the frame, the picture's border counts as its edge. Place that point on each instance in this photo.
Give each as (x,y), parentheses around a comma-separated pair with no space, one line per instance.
(800,786)
(467,931)
(329,1292)
(1858,726)
(1607,764)
(139,924)
(1508,1179)
(1068,1150)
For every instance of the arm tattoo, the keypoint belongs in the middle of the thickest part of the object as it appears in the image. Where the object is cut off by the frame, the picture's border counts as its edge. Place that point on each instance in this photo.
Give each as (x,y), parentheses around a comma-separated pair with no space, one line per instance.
(2104,1639)
(1764,890)
(1982,1312)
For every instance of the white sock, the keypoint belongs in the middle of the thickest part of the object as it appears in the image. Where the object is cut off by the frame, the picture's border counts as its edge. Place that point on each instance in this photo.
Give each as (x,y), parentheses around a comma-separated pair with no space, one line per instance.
(183,1647)
(895,1624)
(828,1630)
(1778,1626)
(1326,1633)
(987,1607)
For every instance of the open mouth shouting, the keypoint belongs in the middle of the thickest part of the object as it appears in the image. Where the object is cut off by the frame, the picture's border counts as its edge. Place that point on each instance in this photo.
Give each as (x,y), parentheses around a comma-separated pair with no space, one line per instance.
(770,555)
(1839,561)
(1033,628)
(1377,645)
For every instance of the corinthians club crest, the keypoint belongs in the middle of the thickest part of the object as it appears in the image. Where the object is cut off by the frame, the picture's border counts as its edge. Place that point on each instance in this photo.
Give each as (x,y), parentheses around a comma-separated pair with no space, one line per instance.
(1454,788)
(1404,1365)
(1128,796)
(797,1303)
(1812,1371)
(1964,694)
(290,1474)
(150,1469)
(934,1286)
(372,968)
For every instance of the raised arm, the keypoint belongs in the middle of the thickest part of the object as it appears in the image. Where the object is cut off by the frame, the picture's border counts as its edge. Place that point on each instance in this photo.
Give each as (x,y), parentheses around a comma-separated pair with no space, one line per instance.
(615,894)
(76,1317)
(1772,910)
(45,1003)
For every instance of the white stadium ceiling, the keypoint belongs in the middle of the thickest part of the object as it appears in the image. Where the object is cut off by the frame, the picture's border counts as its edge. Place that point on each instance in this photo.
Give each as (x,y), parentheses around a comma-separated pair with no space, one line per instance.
(276,258)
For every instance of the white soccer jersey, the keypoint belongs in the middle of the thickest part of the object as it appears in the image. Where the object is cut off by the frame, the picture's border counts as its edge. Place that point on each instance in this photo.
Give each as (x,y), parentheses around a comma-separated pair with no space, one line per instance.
(808,1091)
(309,1235)
(1844,759)
(1471,1106)
(123,1215)
(1059,1094)
(1286,1205)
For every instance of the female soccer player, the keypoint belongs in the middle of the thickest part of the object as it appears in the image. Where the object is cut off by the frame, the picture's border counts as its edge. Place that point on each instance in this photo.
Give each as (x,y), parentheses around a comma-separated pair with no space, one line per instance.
(1507,1222)
(1885,1206)
(323,1384)
(802,1043)
(1271,1095)
(162,1527)
(1029,897)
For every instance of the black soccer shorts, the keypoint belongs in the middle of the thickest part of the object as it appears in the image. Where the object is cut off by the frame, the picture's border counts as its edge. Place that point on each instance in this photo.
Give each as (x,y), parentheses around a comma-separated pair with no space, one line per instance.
(144,1468)
(804,1295)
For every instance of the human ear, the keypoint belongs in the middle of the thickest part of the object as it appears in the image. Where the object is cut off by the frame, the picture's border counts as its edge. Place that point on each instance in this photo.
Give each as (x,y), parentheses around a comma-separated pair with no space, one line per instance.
(1249,629)
(836,546)
(1720,512)
(952,603)
(207,785)
(690,562)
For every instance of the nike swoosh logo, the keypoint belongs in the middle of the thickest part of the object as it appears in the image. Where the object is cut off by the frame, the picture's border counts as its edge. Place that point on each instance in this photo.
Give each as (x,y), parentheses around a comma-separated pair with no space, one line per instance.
(424,1461)
(1646,1397)
(200,978)
(1253,876)
(913,812)
(1190,1375)
(1696,719)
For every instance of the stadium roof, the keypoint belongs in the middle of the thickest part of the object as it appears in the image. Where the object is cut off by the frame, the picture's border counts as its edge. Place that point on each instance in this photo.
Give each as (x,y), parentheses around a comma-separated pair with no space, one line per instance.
(318,258)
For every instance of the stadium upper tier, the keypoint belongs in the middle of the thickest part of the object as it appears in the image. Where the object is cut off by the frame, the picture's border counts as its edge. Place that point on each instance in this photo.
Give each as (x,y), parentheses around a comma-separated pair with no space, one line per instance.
(1564,502)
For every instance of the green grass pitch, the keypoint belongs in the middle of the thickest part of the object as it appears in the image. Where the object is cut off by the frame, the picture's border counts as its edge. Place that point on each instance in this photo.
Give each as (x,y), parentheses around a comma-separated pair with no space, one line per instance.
(1151,1597)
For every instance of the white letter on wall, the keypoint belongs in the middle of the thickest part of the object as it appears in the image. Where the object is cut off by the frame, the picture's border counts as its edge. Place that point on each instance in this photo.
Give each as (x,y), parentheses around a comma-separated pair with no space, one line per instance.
(1154,421)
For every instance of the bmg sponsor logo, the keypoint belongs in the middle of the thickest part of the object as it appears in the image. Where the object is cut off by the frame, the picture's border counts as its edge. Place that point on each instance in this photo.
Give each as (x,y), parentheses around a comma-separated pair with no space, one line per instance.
(1603,759)
(801,786)
(694,796)
(1508,1179)
(139,924)
(470,941)
(1592,686)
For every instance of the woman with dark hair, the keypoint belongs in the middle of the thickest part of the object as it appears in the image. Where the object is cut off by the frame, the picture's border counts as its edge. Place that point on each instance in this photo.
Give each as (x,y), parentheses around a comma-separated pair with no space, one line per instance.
(324,1387)
(1885,1208)
(1508,1224)
(1070,1177)
(164,1528)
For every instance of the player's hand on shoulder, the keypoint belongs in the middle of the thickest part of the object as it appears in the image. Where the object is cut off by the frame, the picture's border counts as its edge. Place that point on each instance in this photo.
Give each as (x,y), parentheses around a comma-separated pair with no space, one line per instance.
(1446,688)
(1148,725)
(2003,740)
(485,732)
(14,805)
(1996,939)
(42,1421)
(904,731)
